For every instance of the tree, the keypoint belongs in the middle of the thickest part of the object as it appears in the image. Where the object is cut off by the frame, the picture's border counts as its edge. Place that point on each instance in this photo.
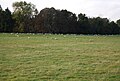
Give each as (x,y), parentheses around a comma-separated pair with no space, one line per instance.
(9,21)
(114,28)
(99,25)
(23,12)
(83,24)
(67,22)
(118,22)
(1,19)
(6,20)
(50,20)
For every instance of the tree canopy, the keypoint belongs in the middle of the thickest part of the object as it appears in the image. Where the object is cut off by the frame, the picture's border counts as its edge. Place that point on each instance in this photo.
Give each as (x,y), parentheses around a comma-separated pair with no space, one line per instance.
(23,12)
(26,18)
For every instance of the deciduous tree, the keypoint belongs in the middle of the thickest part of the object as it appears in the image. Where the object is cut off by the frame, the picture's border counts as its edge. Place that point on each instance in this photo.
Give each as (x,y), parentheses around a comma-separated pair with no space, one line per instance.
(23,12)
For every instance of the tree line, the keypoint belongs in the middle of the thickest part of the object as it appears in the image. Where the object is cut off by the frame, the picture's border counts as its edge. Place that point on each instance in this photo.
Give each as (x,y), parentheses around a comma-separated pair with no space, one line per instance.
(26,19)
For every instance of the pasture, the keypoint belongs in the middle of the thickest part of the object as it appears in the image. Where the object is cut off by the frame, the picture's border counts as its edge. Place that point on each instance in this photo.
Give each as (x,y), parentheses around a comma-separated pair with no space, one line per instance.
(46,57)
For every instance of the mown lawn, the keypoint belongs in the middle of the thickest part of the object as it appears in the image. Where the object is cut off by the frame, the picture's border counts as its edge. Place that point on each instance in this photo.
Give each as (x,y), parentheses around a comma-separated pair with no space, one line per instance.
(46,57)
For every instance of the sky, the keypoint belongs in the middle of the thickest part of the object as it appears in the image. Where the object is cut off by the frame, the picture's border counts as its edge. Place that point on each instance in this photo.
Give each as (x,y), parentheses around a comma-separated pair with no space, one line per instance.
(92,8)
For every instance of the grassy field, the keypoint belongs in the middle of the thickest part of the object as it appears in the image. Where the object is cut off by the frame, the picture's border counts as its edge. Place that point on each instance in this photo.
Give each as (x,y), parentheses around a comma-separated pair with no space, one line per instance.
(46,57)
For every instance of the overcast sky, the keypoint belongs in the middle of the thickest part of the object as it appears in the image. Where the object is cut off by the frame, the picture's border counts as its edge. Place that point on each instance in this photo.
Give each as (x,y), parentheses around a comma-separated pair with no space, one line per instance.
(92,8)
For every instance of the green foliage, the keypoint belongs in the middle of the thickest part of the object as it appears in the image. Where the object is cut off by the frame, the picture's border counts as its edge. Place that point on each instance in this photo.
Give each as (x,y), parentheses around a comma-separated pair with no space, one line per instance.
(23,12)
(103,26)
(6,20)
(26,19)
(25,9)
(46,57)
(50,20)
(118,22)
(83,24)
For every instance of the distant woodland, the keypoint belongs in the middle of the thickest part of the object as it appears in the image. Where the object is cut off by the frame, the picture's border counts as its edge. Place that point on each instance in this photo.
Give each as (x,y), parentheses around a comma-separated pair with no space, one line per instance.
(26,19)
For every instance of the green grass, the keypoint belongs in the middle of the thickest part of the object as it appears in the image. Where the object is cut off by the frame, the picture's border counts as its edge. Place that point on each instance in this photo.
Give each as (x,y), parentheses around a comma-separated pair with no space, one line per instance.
(29,57)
